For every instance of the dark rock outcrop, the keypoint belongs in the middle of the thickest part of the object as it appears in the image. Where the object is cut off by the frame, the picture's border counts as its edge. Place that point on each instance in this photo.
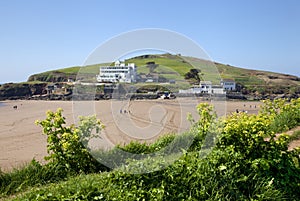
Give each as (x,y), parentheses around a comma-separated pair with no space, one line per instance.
(21,90)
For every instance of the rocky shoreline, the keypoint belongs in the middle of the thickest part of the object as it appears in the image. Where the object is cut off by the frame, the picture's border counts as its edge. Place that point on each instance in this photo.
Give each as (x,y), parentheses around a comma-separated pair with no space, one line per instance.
(39,91)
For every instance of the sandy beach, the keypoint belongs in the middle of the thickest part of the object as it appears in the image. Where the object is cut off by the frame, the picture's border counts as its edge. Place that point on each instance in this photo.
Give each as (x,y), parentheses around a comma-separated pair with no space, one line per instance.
(21,139)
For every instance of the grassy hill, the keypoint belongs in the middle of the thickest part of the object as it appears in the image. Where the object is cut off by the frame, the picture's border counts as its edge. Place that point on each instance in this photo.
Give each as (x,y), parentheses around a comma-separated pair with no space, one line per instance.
(174,67)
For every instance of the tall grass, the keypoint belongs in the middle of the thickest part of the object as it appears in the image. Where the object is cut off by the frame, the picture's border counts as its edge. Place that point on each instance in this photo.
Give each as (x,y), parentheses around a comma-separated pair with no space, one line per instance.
(33,174)
(190,178)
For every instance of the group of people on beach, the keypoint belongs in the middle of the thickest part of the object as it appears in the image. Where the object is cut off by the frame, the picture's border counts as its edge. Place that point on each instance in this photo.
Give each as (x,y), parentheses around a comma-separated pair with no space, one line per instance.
(237,110)
(124,111)
(250,106)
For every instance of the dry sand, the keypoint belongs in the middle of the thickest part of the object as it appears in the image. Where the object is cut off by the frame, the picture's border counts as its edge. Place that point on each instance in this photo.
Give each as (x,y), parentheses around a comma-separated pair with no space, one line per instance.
(21,140)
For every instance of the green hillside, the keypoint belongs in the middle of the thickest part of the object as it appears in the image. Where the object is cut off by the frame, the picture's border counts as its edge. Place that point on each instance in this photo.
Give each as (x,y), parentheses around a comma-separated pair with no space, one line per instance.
(167,63)
(175,66)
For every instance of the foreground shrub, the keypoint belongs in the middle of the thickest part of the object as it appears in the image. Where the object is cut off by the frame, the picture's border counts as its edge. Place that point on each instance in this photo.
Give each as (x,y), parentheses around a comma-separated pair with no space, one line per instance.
(268,158)
(67,146)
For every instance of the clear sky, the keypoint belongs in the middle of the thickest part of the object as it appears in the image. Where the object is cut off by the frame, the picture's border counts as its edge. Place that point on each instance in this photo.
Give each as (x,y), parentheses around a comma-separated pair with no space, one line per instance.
(48,34)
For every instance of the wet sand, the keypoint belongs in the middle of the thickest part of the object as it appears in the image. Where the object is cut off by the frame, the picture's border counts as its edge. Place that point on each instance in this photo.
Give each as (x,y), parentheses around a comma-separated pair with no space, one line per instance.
(21,139)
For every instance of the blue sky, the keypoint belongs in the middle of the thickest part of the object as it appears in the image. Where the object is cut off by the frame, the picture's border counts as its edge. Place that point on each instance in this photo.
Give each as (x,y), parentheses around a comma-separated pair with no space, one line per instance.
(43,35)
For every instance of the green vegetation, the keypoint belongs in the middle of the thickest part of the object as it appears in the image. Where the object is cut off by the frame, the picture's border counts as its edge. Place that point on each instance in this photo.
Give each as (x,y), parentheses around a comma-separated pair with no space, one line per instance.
(175,67)
(169,63)
(70,70)
(248,161)
(284,115)
(62,75)
(67,144)
(244,76)
(33,174)
(193,76)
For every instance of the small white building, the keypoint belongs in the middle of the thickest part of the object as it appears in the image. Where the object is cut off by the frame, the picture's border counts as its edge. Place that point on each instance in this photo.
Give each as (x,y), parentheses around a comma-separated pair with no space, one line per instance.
(118,73)
(193,90)
(206,87)
(203,87)
(228,84)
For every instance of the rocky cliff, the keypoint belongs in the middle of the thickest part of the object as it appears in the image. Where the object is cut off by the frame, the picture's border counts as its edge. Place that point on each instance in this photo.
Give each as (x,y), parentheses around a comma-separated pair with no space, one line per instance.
(13,91)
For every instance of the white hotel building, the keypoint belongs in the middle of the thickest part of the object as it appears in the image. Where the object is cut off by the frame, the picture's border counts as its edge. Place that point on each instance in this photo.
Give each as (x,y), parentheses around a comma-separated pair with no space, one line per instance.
(118,73)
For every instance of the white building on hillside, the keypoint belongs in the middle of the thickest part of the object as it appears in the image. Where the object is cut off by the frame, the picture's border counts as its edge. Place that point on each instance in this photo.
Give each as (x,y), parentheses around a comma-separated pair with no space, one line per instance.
(228,84)
(118,73)
(206,87)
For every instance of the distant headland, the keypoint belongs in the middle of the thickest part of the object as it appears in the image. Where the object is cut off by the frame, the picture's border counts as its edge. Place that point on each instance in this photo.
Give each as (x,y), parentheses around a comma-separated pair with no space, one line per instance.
(152,76)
